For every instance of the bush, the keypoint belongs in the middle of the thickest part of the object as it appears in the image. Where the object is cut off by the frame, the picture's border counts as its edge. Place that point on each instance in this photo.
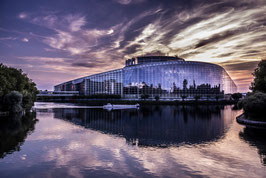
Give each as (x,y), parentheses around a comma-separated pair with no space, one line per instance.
(217,97)
(254,104)
(27,100)
(236,96)
(13,102)
(183,97)
(197,97)
(145,96)
(104,96)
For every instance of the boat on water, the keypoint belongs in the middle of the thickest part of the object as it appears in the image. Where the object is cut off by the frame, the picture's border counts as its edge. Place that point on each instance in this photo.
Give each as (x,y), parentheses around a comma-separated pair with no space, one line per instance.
(110,106)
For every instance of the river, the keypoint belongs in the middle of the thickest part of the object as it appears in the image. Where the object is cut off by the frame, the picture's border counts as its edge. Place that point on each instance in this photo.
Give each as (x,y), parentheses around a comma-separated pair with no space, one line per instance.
(67,140)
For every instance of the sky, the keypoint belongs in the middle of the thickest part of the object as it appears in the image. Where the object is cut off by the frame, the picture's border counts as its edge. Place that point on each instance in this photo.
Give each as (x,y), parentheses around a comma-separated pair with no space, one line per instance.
(56,41)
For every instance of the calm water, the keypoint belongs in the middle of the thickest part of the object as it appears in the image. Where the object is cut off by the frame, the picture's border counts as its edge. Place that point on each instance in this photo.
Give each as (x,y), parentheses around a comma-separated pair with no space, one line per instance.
(72,141)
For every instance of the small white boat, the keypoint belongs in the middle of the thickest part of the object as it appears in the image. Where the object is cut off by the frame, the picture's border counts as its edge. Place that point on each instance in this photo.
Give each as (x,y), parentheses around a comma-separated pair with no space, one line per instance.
(110,106)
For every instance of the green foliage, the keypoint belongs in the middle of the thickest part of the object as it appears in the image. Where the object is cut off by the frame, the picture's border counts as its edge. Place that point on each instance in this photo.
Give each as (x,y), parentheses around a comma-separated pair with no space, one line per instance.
(13,102)
(145,96)
(157,98)
(217,97)
(236,96)
(259,83)
(185,84)
(183,97)
(76,97)
(254,104)
(28,99)
(197,97)
(12,79)
(104,96)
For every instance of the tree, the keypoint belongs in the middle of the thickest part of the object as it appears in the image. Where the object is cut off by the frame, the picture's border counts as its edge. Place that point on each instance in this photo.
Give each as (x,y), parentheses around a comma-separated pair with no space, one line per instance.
(259,83)
(145,96)
(197,97)
(183,97)
(208,96)
(157,98)
(185,84)
(217,97)
(174,88)
(236,96)
(13,101)
(254,105)
(12,79)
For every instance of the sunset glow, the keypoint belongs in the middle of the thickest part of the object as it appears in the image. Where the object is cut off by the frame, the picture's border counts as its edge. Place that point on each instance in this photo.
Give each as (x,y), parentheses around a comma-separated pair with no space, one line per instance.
(56,41)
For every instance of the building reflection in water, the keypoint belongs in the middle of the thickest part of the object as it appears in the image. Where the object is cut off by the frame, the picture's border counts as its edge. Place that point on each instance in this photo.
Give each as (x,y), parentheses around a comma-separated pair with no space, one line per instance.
(256,138)
(14,131)
(158,126)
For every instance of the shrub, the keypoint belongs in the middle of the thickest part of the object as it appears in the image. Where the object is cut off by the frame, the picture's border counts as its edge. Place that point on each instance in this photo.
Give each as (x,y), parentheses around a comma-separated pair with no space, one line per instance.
(145,96)
(27,100)
(217,97)
(254,105)
(236,96)
(183,97)
(197,97)
(13,102)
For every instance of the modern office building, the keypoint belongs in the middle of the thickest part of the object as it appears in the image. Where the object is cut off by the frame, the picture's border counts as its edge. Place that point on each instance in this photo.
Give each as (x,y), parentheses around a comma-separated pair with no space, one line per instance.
(163,76)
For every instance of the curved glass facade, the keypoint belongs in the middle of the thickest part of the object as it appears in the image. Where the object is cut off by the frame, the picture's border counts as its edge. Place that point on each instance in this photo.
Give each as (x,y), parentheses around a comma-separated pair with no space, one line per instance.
(169,78)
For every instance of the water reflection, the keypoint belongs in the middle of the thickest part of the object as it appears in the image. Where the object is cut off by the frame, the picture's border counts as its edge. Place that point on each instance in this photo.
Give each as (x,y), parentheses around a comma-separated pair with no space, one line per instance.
(159,126)
(256,138)
(14,131)
(98,143)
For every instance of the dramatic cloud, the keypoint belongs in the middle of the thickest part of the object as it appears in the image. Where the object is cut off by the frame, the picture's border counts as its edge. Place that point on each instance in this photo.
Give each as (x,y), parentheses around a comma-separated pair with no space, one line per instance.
(126,2)
(216,38)
(25,40)
(22,15)
(76,23)
(240,65)
(83,64)
(100,36)
(237,68)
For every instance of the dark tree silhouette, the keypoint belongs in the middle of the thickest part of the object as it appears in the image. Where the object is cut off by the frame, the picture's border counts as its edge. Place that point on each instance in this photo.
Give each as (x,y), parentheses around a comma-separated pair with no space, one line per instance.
(254,105)
(259,83)
(183,97)
(197,97)
(185,84)
(236,96)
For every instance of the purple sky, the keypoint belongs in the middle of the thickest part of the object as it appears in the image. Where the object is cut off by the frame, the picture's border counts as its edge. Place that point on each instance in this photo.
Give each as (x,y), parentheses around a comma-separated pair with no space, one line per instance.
(56,41)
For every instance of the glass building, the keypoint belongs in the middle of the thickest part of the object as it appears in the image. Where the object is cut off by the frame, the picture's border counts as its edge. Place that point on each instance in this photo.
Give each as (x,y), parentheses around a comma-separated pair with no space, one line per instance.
(151,76)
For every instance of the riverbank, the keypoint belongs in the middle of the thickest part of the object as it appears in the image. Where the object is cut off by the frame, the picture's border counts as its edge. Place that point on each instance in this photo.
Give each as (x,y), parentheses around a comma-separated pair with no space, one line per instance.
(101,102)
(250,123)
